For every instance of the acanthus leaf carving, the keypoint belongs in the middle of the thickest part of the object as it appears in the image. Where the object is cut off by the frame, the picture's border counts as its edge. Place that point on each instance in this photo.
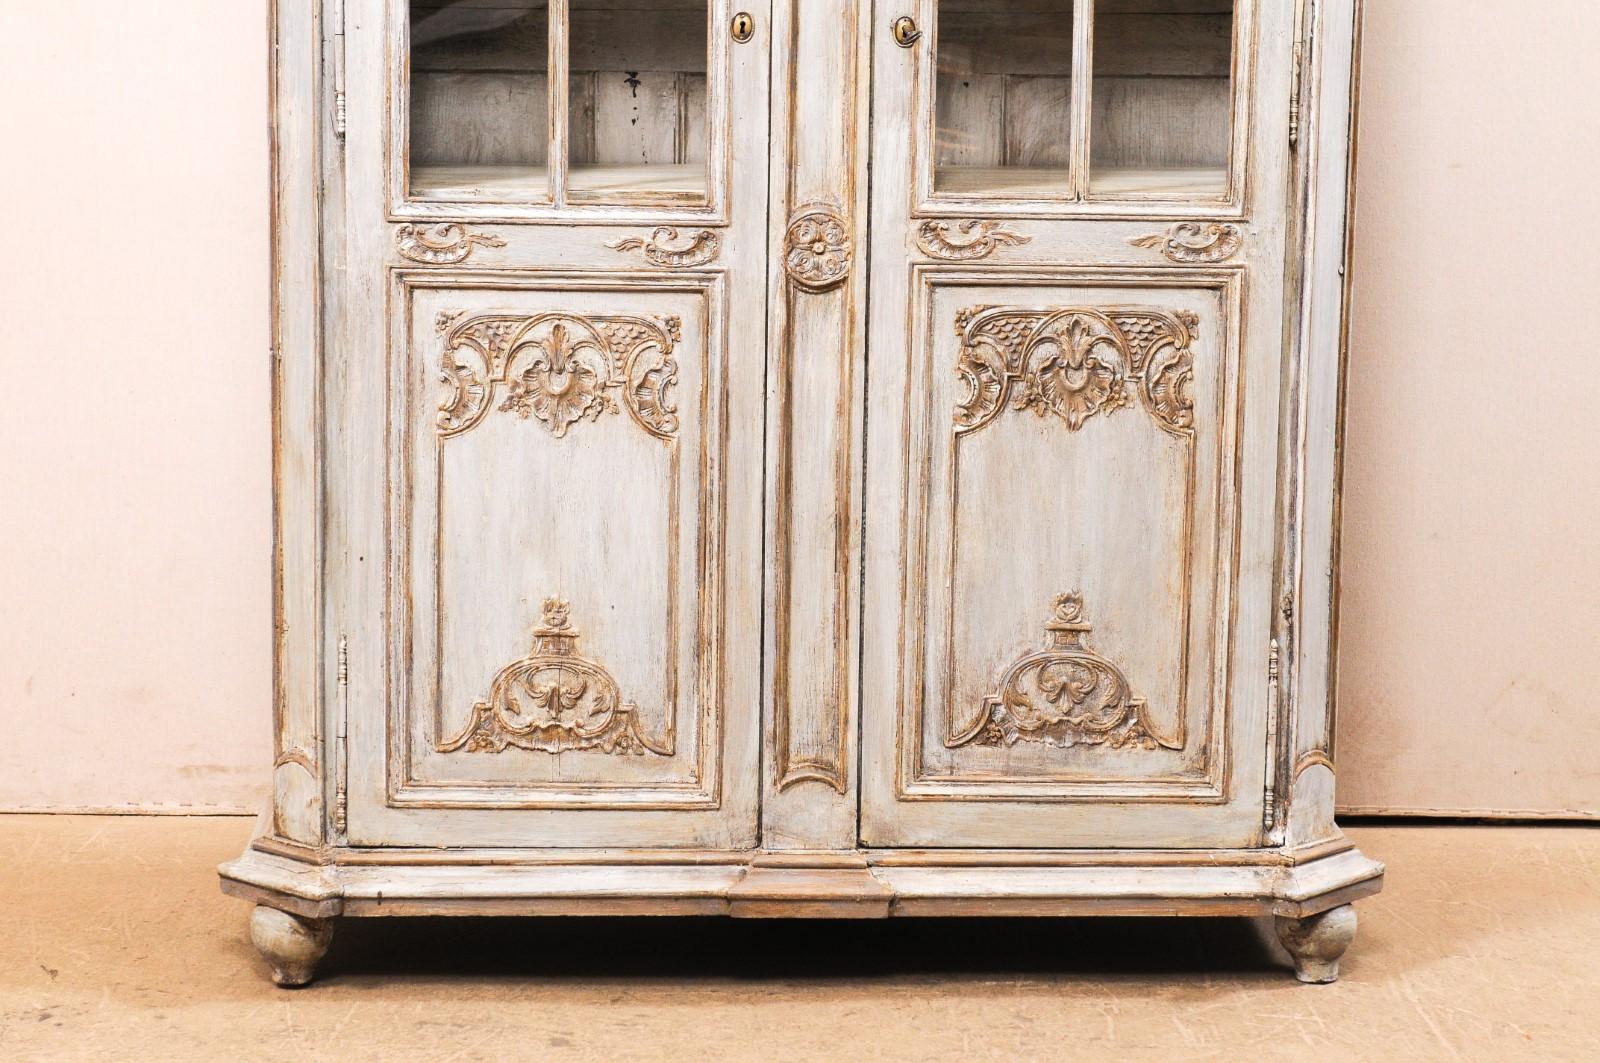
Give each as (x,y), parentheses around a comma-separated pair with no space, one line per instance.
(701,248)
(1075,363)
(974,238)
(555,700)
(1065,695)
(817,249)
(441,245)
(559,369)
(1192,242)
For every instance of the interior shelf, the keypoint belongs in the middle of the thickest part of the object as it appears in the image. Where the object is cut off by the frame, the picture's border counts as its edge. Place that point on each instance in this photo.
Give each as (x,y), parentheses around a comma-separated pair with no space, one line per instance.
(1051,182)
(529,183)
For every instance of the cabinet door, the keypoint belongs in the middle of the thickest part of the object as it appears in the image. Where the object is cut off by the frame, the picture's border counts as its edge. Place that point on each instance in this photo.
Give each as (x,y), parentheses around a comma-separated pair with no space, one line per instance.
(550,422)
(1077,293)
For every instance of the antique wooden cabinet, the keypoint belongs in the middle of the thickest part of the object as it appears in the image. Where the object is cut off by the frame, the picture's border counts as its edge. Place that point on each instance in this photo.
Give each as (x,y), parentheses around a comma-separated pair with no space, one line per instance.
(807,458)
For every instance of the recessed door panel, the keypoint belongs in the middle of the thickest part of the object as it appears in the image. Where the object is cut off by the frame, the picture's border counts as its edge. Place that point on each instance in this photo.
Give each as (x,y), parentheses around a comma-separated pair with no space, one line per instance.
(1077,458)
(562,481)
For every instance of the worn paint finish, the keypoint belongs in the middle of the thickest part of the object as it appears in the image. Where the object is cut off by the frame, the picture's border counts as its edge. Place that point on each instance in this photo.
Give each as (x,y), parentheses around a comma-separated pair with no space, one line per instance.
(1030,592)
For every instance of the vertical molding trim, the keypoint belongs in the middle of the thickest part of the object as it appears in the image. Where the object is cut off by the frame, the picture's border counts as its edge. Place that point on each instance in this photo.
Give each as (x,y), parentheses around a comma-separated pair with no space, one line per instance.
(817,286)
(1308,589)
(295,95)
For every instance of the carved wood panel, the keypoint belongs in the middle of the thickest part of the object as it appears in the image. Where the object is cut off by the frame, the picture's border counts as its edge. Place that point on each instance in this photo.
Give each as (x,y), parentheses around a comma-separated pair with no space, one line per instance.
(561,471)
(1082,456)
(1054,664)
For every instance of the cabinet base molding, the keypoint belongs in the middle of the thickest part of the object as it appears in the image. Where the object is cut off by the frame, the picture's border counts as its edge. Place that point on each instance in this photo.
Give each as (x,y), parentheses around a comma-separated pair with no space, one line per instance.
(1297,886)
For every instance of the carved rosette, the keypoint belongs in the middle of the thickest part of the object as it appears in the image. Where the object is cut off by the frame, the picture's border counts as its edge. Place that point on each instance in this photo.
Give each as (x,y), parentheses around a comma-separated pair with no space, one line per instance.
(1191,242)
(555,701)
(558,369)
(816,249)
(972,239)
(441,245)
(1067,695)
(1074,363)
(666,248)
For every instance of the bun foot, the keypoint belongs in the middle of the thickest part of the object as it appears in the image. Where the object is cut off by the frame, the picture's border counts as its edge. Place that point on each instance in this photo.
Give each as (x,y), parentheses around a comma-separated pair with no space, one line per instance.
(291,944)
(1317,941)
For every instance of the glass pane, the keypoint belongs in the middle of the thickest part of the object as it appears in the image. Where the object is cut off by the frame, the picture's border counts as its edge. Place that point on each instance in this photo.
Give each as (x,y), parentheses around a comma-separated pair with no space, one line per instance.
(1163,98)
(1003,98)
(637,98)
(480,99)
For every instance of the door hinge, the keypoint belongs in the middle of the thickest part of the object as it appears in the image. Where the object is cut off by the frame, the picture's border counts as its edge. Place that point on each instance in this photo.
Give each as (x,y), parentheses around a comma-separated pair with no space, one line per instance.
(341,119)
(1294,100)
(1302,53)
(341,752)
(1274,671)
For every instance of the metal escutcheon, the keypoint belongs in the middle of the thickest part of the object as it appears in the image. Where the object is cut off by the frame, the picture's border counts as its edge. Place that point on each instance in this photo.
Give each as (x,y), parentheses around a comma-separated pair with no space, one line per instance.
(905,31)
(744,27)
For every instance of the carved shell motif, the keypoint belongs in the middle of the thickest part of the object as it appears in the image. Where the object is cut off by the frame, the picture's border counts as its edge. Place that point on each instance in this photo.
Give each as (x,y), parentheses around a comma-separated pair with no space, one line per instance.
(1065,695)
(816,249)
(555,701)
(558,369)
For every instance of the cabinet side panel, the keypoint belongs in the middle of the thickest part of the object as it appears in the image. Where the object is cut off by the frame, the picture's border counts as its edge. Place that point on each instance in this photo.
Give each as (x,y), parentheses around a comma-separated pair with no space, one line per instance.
(296,360)
(1311,596)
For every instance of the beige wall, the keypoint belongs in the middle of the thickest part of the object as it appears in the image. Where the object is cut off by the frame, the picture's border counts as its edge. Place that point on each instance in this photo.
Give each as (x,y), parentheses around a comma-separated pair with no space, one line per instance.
(1471,643)
(134,482)
(135,508)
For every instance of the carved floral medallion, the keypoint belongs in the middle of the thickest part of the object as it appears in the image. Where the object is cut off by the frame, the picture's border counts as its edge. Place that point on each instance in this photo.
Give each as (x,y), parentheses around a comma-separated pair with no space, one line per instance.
(816,249)
(558,369)
(441,245)
(1075,363)
(555,700)
(665,247)
(1065,695)
(972,239)
(1195,242)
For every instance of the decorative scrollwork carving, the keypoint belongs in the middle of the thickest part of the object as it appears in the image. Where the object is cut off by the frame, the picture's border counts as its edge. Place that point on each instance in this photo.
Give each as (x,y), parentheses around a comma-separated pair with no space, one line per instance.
(1191,242)
(701,248)
(572,702)
(1065,695)
(441,245)
(558,369)
(816,249)
(1075,363)
(975,238)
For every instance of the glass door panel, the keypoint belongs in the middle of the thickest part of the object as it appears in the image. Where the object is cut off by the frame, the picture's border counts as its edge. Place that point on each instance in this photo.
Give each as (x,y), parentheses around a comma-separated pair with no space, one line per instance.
(1003,98)
(1163,98)
(480,91)
(636,99)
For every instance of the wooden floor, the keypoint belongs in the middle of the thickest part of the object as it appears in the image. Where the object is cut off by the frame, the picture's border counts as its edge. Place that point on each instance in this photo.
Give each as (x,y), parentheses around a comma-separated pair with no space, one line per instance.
(116,945)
